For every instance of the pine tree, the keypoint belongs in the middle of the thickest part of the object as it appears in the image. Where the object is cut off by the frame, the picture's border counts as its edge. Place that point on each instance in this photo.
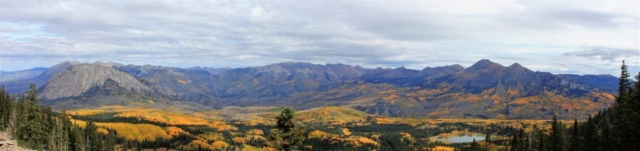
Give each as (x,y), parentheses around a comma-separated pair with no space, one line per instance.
(557,142)
(91,135)
(576,140)
(474,145)
(515,142)
(623,85)
(634,104)
(623,115)
(29,131)
(7,103)
(541,142)
(286,135)
(487,138)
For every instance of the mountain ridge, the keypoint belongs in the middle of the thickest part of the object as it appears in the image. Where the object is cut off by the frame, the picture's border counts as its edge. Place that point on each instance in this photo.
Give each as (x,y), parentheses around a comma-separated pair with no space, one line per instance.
(485,89)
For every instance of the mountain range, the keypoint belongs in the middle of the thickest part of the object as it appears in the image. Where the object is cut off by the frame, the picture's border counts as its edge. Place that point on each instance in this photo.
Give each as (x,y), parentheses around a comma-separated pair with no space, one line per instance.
(483,90)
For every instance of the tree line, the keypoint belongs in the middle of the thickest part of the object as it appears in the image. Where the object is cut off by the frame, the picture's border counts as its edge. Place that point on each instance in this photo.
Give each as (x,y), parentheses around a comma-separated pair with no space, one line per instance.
(38,127)
(614,128)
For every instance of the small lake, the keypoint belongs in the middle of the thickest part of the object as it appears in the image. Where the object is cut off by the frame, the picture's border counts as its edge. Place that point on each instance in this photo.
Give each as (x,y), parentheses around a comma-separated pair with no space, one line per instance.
(461,139)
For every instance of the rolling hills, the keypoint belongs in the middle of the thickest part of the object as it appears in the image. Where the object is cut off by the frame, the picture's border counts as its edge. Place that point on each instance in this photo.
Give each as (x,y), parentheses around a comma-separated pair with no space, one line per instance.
(483,90)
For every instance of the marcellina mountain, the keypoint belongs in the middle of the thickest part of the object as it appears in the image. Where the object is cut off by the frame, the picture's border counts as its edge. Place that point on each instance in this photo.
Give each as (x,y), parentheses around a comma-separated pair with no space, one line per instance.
(483,90)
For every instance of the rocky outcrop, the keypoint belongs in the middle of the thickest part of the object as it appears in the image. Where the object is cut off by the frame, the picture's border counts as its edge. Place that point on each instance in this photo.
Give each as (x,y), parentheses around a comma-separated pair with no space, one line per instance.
(77,79)
(6,144)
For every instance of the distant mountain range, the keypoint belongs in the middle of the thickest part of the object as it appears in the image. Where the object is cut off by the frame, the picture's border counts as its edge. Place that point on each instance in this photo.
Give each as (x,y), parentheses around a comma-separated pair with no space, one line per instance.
(483,90)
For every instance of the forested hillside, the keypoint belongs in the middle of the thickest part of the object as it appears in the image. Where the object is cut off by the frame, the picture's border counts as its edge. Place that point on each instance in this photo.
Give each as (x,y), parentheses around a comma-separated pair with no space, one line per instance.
(327,128)
(484,90)
(614,128)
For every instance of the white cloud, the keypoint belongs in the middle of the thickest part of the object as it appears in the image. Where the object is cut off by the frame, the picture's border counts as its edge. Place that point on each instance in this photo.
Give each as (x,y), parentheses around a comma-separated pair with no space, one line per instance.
(416,33)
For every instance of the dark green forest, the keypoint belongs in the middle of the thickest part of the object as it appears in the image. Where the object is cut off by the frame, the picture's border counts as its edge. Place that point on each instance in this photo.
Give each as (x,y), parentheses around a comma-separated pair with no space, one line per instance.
(616,128)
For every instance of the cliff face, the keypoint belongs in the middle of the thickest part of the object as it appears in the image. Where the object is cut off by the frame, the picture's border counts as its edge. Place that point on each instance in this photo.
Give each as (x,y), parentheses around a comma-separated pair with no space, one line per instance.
(78,79)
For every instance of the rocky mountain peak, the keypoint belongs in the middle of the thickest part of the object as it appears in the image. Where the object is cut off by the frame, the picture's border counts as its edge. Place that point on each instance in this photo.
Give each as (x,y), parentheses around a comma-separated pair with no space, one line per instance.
(77,79)
(444,70)
(483,66)
(57,69)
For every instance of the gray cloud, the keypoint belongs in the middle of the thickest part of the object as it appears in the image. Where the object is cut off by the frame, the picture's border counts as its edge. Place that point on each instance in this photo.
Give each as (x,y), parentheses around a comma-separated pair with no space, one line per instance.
(606,54)
(215,33)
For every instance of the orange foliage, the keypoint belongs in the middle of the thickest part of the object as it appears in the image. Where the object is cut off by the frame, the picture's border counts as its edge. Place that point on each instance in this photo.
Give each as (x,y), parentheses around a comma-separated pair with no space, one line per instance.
(182,81)
(443,148)
(221,126)
(512,92)
(175,131)
(197,143)
(346,131)
(472,97)
(79,123)
(102,131)
(219,145)
(238,140)
(211,136)
(317,134)
(390,97)
(255,132)
(353,140)
(137,132)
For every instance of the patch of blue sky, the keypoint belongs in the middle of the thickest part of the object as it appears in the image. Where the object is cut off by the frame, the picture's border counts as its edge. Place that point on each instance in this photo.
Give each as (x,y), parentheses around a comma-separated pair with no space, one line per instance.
(23,31)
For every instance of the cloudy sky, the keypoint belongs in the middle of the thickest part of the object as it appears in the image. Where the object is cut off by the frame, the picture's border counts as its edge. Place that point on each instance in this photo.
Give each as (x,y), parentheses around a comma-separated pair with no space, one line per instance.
(580,36)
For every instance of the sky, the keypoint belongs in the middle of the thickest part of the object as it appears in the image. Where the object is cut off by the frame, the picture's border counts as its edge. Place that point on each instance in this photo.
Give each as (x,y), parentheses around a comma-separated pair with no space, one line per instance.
(573,36)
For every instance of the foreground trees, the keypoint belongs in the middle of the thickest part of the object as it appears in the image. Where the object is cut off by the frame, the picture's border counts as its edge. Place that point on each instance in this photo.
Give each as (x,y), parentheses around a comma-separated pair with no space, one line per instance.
(38,127)
(615,128)
(286,134)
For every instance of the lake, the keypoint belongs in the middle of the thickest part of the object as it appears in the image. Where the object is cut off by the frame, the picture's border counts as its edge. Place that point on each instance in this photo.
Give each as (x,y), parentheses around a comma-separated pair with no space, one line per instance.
(462,139)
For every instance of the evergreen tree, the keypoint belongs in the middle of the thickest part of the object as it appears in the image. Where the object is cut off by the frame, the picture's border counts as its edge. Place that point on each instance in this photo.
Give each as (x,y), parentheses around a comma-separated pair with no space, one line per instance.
(91,137)
(541,142)
(487,139)
(557,142)
(515,142)
(286,134)
(7,103)
(576,140)
(474,145)
(30,128)
(634,104)
(590,135)
(623,119)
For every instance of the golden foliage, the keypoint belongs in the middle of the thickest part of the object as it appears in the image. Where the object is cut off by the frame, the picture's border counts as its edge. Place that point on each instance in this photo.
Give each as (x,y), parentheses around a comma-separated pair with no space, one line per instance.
(238,140)
(246,147)
(317,134)
(219,145)
(85,112)
(443,148)
(334,138)
(198,143)
(175,131)
(255,132)
(102,131)
(211,136)
(79,123)
(222,126)
(150,114)
(137,132)
(333,115)
(346,131)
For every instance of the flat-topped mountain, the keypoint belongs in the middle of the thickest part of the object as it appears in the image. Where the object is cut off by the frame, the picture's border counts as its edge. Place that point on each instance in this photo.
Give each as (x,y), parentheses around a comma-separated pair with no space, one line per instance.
(485,89)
